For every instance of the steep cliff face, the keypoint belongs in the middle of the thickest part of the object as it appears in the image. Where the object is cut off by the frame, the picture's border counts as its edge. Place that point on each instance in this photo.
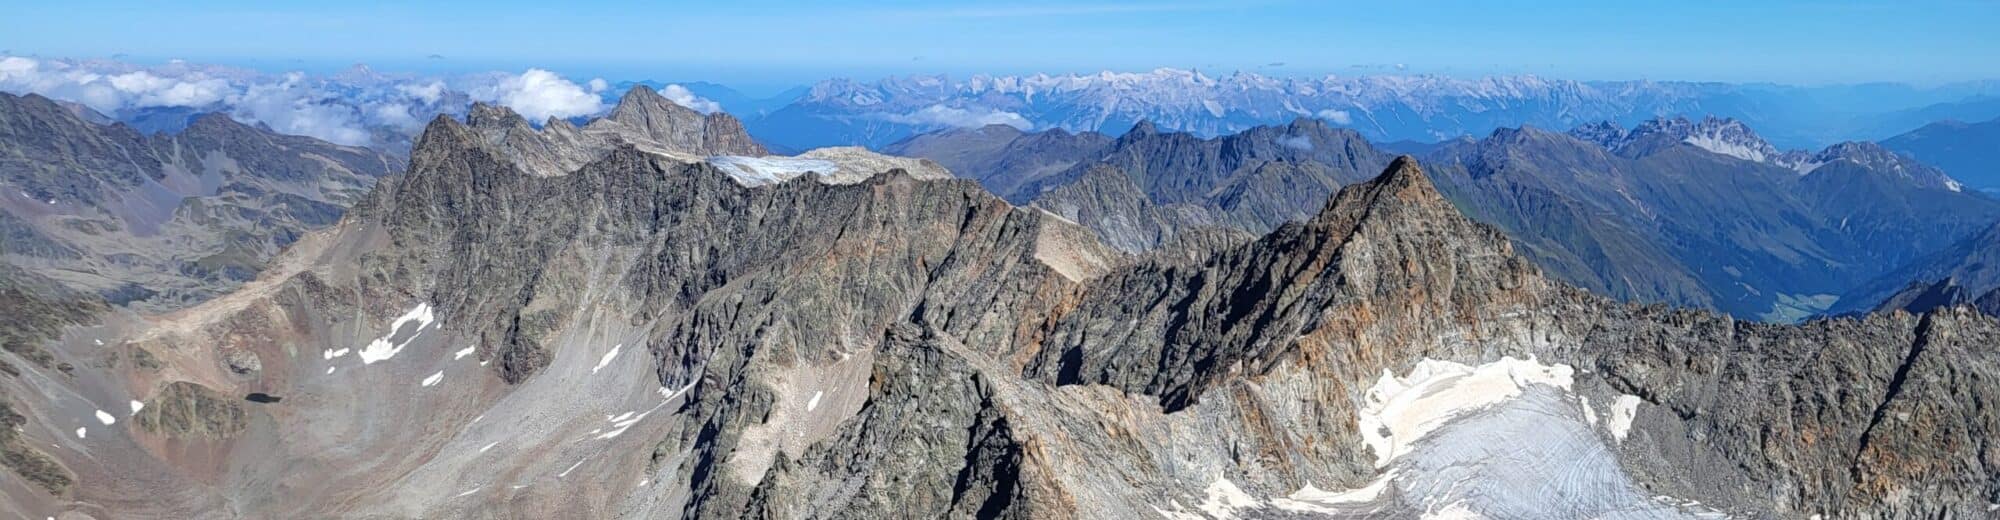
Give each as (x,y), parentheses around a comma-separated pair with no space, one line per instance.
(650,337)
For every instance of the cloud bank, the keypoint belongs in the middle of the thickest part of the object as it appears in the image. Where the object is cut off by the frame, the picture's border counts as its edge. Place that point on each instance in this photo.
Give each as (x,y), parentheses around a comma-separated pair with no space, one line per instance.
(351,107)
(940,115)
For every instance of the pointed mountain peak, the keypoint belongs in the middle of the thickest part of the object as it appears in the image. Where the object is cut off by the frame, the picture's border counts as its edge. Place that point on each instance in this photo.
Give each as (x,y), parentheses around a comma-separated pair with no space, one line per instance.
(642,103)
(1402,184)
(641,94)
(1404,176)
(441,135)
(559,124)
(1143,128)
(214,121)
(488,116)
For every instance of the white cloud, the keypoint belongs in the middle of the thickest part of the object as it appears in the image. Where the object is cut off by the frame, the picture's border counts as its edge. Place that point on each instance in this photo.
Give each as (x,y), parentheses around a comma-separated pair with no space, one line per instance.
(145,89)
(111,90)
(1299,142)
(1338,117)
(294,106)
(682,96)
(344,108)
(539,94)
(940,115)
(394,114)
(426,92)
(599,85)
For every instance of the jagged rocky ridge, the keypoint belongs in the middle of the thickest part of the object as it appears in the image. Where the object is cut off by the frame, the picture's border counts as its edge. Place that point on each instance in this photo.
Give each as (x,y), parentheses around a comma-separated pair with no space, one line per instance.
(650,337)
(1732,138)
(162,221)
(1645,215)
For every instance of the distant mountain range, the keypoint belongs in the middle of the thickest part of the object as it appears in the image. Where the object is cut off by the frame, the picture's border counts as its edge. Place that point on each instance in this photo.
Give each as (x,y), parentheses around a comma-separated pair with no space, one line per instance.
(1700,213)
(1381,108)
(384,110)
(1969,152)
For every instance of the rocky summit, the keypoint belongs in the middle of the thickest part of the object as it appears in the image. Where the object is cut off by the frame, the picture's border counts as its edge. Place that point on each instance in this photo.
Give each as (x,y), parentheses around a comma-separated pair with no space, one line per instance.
(534,323)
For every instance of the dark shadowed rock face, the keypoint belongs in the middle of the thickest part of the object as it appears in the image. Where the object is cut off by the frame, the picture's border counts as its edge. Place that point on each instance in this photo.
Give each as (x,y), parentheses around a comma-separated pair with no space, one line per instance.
(163,221)
(649,337)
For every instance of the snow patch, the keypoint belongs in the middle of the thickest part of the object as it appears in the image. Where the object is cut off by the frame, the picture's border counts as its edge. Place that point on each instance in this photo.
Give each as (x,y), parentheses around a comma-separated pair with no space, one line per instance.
(105,418)
(469,491)
(1224,499)
(434,378)
(1400,411)
(1453,511)
(331,353)
(572,467)
(814,402)
(488,446)
(467,351)
(382,348)
(1311,499)
(624,421)
(1623,409)
(759,171)
(136,406)
(80,431)
(619,427)
(329,370)
(606,360)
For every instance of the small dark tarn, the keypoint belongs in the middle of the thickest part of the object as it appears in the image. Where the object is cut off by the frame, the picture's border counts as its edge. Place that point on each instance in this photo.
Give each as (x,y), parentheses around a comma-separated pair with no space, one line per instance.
(260,397)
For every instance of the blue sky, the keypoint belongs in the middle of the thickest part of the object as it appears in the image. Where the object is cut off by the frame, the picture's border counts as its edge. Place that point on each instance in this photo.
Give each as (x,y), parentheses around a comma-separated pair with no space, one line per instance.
(770,44)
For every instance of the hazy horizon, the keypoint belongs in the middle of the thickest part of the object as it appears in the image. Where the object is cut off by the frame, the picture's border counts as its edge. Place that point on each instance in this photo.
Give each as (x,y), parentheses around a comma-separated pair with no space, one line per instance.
(759,47)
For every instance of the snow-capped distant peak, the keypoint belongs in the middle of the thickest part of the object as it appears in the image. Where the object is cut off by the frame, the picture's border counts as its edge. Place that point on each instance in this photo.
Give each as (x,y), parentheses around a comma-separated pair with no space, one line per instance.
(1720,135)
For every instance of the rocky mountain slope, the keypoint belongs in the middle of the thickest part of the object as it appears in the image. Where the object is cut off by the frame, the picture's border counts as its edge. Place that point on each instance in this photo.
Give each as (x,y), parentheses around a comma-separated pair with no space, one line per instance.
(1702,214)
(1966,272)
(645,336)
(1003,158)
(1967,151)
(162,221)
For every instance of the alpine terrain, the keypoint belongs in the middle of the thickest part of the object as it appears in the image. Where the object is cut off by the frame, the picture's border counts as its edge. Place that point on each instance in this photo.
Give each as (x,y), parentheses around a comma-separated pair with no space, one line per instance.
(1691,213)
(624,320)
